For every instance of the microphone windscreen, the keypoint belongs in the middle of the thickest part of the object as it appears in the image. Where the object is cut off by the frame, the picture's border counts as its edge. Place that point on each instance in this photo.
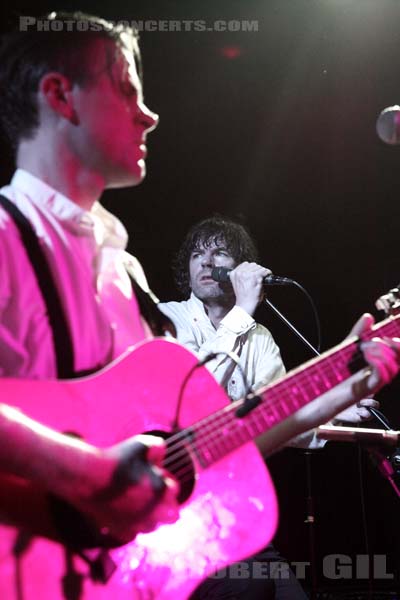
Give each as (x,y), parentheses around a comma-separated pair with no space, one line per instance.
(388,125)
(220,274)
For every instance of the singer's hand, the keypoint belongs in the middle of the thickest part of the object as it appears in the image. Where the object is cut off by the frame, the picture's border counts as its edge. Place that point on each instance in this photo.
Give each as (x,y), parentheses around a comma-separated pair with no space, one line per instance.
(247,282)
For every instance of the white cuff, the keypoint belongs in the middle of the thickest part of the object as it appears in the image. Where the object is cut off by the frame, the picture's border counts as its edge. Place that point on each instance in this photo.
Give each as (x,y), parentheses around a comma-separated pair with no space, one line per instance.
(238,321)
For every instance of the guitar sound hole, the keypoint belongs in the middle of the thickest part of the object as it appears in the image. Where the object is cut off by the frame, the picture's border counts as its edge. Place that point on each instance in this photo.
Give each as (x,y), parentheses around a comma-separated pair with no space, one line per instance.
(180,464)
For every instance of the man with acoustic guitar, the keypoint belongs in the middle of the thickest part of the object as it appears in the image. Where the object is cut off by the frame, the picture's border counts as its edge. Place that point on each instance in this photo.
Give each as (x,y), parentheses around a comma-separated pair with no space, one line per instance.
(72,106)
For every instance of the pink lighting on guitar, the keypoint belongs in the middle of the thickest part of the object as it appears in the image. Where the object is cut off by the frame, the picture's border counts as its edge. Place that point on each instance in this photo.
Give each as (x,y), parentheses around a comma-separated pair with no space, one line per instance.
(232,494)
(191,548)
(233,491)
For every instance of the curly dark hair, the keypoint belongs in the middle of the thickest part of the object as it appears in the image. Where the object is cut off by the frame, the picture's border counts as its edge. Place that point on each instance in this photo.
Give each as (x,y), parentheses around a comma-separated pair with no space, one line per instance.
(214,230)
(27,54)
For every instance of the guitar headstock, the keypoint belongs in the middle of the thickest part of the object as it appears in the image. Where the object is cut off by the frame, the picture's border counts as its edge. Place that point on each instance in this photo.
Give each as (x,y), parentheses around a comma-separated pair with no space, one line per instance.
(390,302)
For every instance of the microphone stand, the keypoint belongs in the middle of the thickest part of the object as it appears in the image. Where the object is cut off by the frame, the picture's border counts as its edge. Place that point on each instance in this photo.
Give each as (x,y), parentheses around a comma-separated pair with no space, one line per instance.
(310,516)
(291,327)
(374,440)
(389,468)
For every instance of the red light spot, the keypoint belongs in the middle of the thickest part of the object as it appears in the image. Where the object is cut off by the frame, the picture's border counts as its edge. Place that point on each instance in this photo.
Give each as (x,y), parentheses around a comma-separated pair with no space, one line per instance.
(231,52)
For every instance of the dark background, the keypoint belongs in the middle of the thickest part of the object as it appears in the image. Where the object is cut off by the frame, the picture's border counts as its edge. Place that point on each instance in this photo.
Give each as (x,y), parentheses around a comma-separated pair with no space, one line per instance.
(277,128)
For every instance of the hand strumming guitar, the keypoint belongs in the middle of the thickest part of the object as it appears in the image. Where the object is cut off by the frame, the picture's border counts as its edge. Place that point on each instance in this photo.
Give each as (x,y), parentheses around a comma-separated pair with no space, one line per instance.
(122,490)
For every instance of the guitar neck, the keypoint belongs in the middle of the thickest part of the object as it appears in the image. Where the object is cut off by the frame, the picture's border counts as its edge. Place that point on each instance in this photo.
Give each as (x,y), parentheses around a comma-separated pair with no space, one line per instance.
(219,434)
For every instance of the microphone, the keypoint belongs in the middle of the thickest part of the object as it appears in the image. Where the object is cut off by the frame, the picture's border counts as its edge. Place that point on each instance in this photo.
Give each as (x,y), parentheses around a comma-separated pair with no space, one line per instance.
(377,442)
(221,274)
(388,125)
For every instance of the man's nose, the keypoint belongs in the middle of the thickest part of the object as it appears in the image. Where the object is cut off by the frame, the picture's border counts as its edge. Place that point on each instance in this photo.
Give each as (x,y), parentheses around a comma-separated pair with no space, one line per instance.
(207,260)
(148,118)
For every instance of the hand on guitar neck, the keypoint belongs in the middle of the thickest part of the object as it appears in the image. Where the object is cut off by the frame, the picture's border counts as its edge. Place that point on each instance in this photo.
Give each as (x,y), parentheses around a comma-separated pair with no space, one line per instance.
(384,363)
(345,401)
(122,490)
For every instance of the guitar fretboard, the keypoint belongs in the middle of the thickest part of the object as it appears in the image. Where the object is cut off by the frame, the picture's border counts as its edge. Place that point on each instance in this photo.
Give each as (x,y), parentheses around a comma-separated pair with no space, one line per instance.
(217,435)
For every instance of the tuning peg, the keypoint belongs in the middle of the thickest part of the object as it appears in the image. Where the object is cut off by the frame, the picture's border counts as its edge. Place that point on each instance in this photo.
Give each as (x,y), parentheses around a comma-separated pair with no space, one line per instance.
(390,302)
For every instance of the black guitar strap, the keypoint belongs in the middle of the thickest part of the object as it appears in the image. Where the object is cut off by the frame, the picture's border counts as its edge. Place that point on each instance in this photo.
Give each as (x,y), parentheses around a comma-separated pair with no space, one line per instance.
(159,323)
(63,347)
(75,531)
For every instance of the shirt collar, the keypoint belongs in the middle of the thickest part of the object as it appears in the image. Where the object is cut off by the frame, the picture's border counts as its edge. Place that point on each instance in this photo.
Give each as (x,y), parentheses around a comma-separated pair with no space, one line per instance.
(98,222)
(197,309)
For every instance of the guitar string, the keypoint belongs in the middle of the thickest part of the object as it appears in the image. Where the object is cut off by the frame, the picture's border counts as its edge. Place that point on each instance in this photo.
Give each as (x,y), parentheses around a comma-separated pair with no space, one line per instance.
(324,367)
(300,377)
(208,427)
(184,469)
(212,417)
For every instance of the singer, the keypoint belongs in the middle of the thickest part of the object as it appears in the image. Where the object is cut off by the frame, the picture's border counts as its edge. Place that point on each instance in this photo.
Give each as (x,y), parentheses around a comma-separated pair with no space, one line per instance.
(218,317)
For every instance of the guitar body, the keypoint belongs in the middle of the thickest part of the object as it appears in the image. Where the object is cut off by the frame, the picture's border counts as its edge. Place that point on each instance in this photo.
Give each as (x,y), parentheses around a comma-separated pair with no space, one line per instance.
(230,515)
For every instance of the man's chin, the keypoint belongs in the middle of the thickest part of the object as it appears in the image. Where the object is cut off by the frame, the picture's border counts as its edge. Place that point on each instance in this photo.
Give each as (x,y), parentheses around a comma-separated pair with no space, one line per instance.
(209,293)
(126,179)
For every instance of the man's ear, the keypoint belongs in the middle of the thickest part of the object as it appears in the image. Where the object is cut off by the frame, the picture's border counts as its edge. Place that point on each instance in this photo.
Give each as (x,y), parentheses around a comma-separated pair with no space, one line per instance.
(56,90)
